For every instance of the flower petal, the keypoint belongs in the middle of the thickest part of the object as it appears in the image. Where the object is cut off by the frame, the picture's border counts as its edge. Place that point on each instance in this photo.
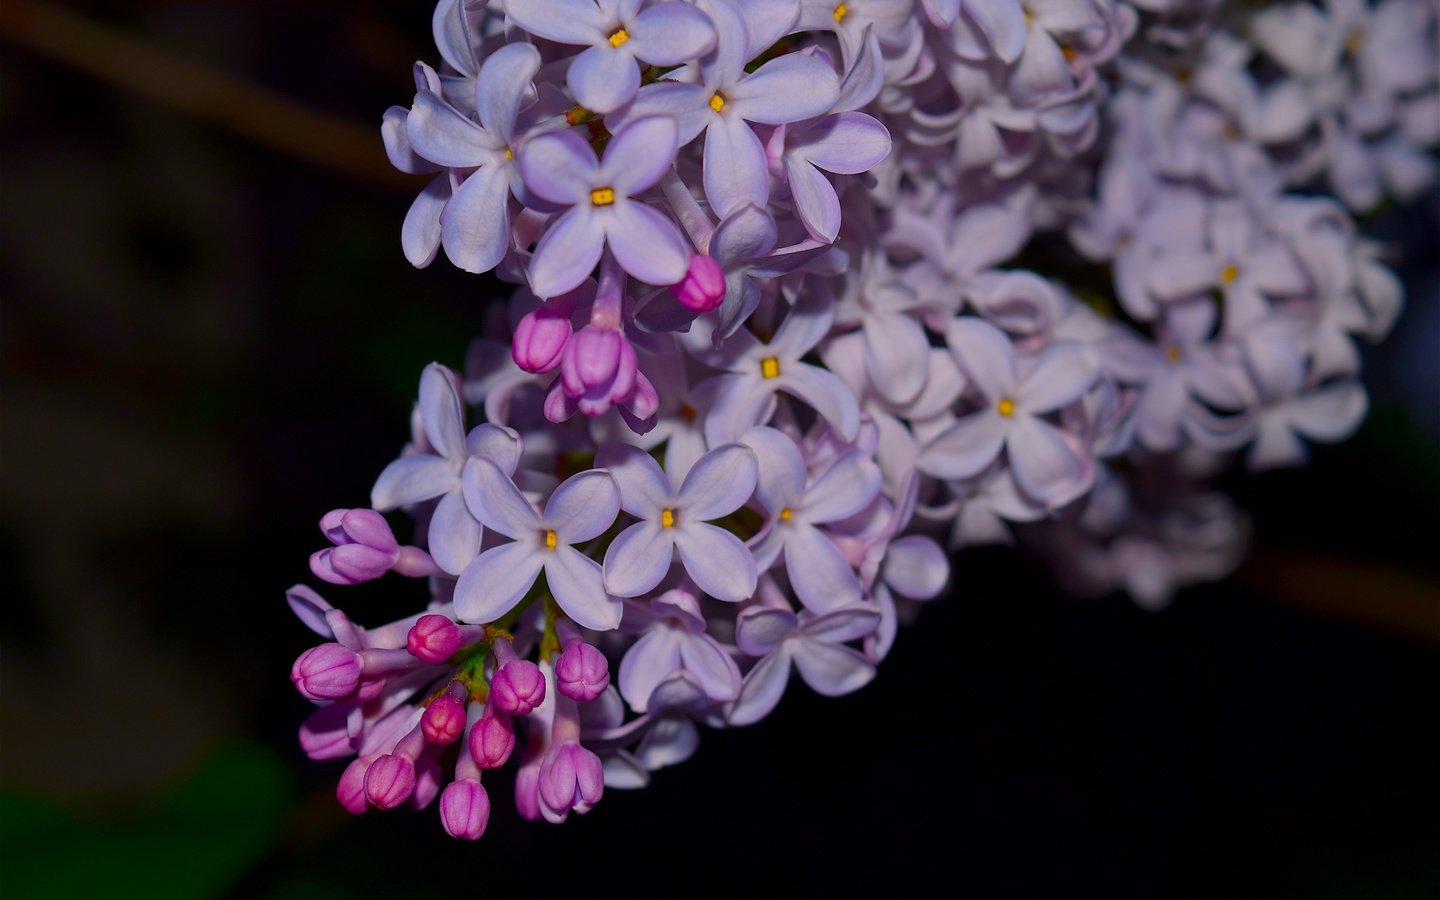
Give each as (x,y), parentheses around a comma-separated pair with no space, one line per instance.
(567,252)
(454,535)
(719,562)
(411,479)
(762,688)
(648,661)
(1045,465)
(719,483)
(832,670)
(736,172)
(495,500)
(442,135)
(647,244)
(504,79)
(844,489)
(441,412)
(1064,371)
(966,447)
(915,567)
(576,582)
(715,670)
(668,34)
(603,78)
(644,489)
(497,579)
(986,355)
(583,506)
(475,224)
(638,559)
(559,166)
(819,572)
(789,88)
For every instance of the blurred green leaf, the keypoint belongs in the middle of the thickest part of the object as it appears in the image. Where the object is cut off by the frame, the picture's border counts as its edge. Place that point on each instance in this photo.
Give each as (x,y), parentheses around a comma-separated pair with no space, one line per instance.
(194,843)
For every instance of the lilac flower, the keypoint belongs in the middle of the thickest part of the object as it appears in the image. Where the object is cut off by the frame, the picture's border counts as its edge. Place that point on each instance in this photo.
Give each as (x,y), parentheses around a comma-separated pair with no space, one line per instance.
(602,209)
(605,76)
(815,644)
(580,509)
(672,637)
(365,548)
(819,573)
(1046,463)
(725,100)
(475,223)
(454,535)
(847,144)
(675,520)
(758,371)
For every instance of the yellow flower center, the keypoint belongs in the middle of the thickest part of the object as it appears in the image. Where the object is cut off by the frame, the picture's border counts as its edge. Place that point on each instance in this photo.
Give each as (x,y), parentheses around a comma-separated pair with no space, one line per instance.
(618,37)
(1172,353)
(770,367)
(602,196)
(786,513)
(509,154)
(1229,274)
(840,12)
(717,101)
(1006,407)
(551,542)
(667,518)
(1354,41)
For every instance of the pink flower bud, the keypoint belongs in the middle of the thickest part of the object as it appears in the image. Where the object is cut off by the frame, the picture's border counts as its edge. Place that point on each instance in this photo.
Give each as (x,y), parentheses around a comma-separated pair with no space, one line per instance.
(351,789)
(517,688)
(389,781)
(365,548)
(594,358)
(326,672)
(433,639)
(465,809)
(491,740)
(582,672)
(571,777)
(540,338)
(444,720)
(703,286)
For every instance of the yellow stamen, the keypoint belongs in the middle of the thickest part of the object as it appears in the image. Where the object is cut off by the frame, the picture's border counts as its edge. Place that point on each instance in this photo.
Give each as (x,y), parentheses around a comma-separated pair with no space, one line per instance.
(1069,53)
(1006,407)
(717,101)
(602,196)
(618,37)
(840,12)
(786,513)
(509,154)
(667,518)
(551,542)
(1229,274)
(1354,41)
(1172,353)
(688,412)
(770,367)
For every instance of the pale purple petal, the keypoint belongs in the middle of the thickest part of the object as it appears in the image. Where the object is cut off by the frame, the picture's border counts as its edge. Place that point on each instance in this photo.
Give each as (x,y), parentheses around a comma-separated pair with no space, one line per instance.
(847,487)
(781,480)
(648,661)
(495,500)
(441,412)
(668,34)
(735,167)
(454,535)
(1003,24)
(567,253)
(915,567)
(1064,371)
(966,447)
(819,573)
(825,393)
(789,88)
(644,489)
(497,579)
(560,167)
(603,78)
(577,585)
(440,134)
(759,630)
(897,355)
(638,559)
(583,506)
(563,21)
(746,233)
(411,479)
(1045,465)
(638,155)
(420,232)
(475,224)
(646,244)
(719,483)
(742,402)
(1331,413)
(718,561)
(985,353)
(761,690)
(849,624)
(847,144)
(504,78)
(830,669)
(717,673)
(814,199)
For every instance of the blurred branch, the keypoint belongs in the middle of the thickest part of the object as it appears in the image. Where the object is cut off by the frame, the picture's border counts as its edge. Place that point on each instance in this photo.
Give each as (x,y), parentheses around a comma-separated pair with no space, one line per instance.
(1374,596)
(323,139)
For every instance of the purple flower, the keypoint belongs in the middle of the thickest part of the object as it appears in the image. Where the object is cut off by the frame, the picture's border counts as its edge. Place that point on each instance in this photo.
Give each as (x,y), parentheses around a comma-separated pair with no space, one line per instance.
(1046,462)
(674,520)
(579,510)
(605,76)
(561,168)
(819,573)
(846,144)
(815,644)
(672,637)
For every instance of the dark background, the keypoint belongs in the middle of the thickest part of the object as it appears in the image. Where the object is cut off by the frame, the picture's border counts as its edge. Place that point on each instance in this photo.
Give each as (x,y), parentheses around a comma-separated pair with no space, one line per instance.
(209,337)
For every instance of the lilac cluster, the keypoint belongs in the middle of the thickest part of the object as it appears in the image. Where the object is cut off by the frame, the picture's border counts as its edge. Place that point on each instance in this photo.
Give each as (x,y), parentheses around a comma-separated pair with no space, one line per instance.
(770,353)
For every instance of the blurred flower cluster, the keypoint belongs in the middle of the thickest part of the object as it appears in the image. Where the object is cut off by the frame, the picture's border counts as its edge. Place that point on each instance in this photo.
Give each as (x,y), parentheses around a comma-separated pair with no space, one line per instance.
(811,294)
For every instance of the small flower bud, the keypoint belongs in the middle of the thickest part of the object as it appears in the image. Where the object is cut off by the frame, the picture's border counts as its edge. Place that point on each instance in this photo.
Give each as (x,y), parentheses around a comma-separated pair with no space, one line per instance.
(433,639)
(444,720)
(491,741)
(540,338)
(703,286)
(517,688)
(571,777)
(351,789)
(326,672)
(465,809)
(582,673)
(389,781)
